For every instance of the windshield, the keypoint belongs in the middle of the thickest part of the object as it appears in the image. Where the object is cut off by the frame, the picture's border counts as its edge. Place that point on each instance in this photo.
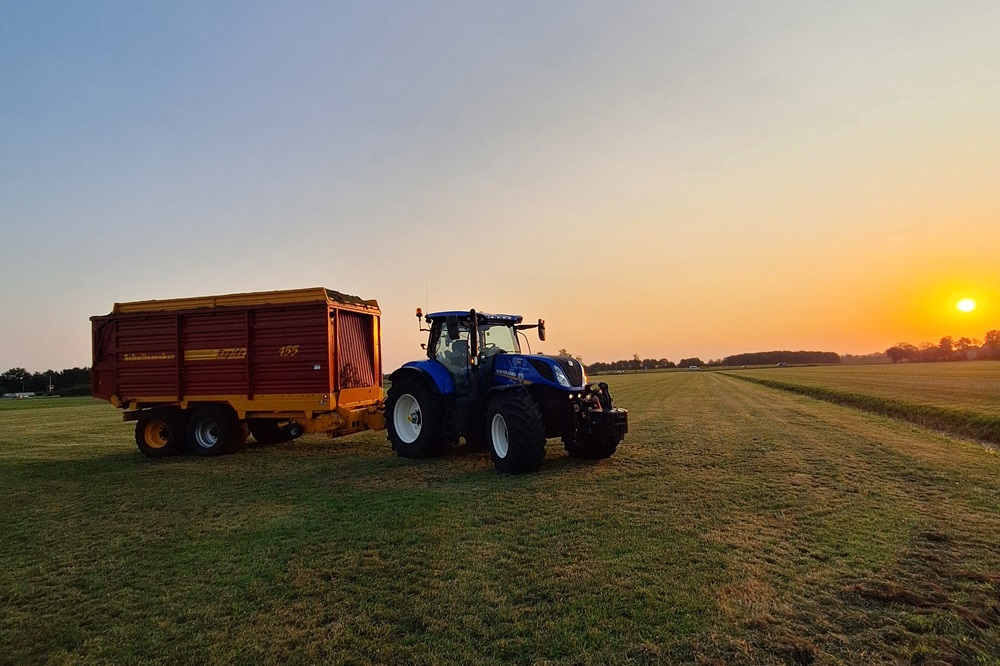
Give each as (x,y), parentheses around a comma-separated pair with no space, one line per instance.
(496,338)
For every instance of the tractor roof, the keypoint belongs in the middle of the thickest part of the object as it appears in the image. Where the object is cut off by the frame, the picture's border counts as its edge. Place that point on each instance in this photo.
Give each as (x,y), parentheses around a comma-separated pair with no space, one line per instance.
(463,315)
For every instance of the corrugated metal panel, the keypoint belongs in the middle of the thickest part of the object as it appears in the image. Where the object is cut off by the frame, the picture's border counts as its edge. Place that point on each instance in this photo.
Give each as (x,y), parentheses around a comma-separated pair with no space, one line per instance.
(215,352)
(104,369)
(356,344)
(290,350)
(234,350)
(147,356)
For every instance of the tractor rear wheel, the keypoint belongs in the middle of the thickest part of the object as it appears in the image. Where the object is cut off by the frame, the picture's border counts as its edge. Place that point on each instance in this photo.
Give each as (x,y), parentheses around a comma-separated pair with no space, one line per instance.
(415,423)
(212,430)
(160,433)
(515,432)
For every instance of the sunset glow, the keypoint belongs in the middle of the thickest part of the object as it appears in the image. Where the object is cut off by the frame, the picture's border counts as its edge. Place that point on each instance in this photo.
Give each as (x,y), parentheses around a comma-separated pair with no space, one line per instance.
(631,173)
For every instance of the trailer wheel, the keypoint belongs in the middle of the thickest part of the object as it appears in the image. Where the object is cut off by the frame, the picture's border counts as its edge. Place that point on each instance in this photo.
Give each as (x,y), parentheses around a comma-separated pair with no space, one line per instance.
(592,449)
(515,432)
(160,433)
(267,431)
(415,422)
(212,430)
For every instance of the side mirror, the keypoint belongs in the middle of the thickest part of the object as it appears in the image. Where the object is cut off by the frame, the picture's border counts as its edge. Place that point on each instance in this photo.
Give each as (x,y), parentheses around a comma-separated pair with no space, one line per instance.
(541,330)
(453,332)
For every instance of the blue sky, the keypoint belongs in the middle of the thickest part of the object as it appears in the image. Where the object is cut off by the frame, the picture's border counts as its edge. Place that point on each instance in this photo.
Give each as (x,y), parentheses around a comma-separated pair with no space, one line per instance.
(668,179)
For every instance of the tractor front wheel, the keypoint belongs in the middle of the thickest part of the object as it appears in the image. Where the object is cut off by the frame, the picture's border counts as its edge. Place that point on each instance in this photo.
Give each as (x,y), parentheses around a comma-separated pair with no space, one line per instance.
(415,423)
(516,433)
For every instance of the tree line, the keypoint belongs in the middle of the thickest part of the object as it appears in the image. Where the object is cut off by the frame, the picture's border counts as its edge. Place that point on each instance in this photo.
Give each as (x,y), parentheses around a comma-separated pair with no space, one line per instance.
(73,381)
(947,349)
(752,358)
(632,365)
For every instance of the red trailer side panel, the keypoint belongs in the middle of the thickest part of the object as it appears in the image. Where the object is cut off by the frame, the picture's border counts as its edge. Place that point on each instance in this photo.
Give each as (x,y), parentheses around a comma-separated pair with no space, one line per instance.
(215,352)
(270,351)
(291,350)
(147,355)
(295,345)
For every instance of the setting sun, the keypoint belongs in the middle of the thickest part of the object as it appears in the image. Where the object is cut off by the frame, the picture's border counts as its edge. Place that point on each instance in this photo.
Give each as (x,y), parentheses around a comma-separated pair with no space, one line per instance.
(966,305)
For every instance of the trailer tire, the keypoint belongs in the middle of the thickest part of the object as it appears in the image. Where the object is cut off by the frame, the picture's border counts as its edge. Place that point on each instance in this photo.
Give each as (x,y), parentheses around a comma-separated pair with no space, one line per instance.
(212,430)
(515,432)
(267,431)
(592,449)
(415,419)
(160,433)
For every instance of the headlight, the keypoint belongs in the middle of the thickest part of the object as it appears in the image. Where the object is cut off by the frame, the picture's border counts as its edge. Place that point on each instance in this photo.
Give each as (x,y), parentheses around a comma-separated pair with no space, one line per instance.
(561,376)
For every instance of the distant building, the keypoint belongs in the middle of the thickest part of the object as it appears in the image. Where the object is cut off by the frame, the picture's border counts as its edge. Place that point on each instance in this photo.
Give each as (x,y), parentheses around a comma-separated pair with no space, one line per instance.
(18,396)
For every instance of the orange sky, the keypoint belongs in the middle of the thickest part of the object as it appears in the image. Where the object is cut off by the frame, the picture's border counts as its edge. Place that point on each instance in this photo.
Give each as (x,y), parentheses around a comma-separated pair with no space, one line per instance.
(664,179)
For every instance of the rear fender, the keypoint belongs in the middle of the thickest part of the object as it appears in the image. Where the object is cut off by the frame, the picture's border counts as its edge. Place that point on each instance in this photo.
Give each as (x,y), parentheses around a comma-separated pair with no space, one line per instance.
(431,372)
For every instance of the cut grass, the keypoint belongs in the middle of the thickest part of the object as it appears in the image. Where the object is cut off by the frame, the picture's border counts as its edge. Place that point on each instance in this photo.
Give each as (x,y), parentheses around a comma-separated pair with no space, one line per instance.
(959,422)
(968,386)
(736,524)
(46,403)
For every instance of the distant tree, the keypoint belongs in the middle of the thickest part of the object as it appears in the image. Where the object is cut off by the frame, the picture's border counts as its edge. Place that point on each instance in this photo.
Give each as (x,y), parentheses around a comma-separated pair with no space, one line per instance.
(895,354)
(965,344)
(665,363)
(946,348)
(903,351)
(926,351)
(15,380)
(991,344)
(688,362)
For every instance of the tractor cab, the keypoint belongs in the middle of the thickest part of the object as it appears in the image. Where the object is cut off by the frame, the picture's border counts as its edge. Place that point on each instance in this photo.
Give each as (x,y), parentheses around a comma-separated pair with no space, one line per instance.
(468,357)
(476,383)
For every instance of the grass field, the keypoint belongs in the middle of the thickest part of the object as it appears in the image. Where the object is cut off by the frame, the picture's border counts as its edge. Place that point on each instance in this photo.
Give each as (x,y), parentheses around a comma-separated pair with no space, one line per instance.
(968,385)
(738,523)
(957,398)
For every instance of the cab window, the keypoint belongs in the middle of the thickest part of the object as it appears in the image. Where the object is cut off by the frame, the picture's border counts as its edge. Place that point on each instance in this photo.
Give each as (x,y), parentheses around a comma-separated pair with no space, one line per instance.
(497,338)
(454,354)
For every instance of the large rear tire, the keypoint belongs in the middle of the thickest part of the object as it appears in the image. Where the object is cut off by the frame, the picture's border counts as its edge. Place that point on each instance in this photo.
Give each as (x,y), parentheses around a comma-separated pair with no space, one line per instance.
(515,432)
(212,430)
(415,419)
(160,433)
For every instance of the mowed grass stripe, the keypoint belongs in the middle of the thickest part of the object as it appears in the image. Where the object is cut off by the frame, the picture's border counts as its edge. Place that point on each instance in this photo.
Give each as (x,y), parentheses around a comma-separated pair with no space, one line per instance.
(957,422)
(736,524)
(969,386)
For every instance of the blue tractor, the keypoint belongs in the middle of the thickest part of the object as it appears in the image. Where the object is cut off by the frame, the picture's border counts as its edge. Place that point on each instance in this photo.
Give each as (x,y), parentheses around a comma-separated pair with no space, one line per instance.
(477,384)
